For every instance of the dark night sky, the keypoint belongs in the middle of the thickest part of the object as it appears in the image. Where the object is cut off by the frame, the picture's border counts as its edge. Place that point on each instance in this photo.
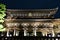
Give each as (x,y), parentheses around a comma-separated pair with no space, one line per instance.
(33,4)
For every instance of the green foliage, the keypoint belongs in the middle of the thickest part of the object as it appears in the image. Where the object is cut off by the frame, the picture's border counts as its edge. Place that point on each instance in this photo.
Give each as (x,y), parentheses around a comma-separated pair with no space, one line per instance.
(2,15)
(2,10)
(2,7)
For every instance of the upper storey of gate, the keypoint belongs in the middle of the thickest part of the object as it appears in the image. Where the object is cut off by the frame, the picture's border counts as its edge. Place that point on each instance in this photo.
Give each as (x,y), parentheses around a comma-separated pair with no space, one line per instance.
(31,13)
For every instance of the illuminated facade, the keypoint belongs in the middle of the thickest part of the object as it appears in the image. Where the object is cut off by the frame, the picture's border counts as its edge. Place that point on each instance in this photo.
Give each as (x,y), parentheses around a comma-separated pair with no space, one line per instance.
(32,22)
